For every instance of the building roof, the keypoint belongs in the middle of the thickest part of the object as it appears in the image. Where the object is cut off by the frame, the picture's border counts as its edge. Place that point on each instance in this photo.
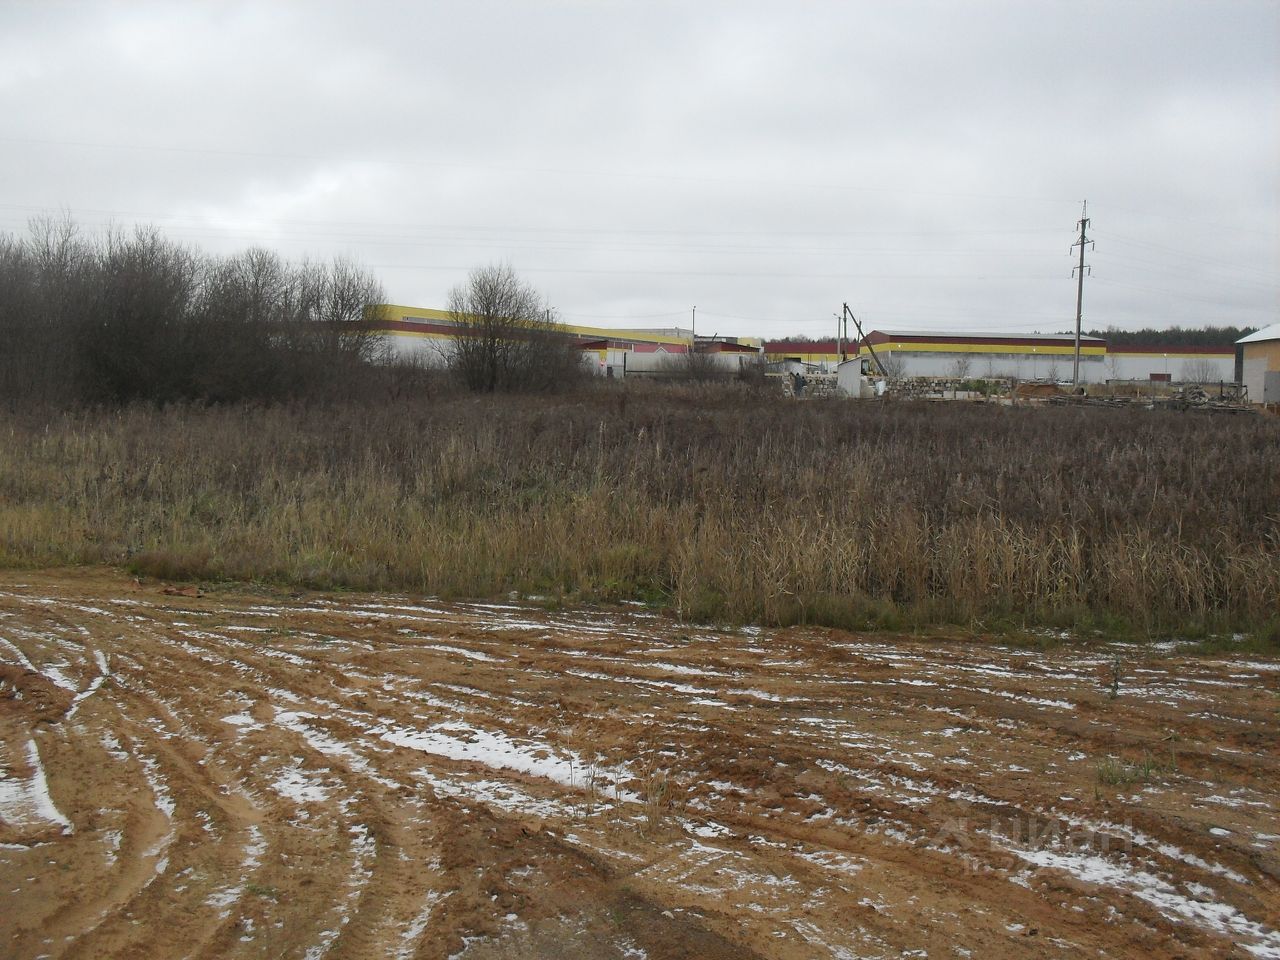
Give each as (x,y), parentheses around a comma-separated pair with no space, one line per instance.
(721,346)
(1266,333)
(934,336)
(803,346)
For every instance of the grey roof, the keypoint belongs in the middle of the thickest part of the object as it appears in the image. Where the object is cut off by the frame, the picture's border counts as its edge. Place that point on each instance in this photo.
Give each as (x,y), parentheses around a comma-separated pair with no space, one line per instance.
(985,335)
(1266,333)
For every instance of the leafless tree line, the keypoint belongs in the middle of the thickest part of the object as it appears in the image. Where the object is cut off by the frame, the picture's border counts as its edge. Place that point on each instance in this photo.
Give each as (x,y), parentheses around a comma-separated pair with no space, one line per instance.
(134,316)
(507,337)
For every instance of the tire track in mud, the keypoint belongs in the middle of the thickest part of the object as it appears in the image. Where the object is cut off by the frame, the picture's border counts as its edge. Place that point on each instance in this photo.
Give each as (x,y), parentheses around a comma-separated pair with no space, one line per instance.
(372,776)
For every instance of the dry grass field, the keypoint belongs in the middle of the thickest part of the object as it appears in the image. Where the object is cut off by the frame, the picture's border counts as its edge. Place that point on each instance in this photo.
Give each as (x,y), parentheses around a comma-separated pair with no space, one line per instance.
(265,774)
(720,504)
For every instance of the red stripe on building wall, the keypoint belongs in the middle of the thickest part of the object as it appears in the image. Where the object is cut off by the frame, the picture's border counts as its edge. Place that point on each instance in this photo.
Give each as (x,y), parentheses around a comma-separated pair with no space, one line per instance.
(1159,349)
(877,338)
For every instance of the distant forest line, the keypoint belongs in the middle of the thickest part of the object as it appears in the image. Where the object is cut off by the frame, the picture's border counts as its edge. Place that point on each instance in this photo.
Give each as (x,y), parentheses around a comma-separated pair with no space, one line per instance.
(1174,336)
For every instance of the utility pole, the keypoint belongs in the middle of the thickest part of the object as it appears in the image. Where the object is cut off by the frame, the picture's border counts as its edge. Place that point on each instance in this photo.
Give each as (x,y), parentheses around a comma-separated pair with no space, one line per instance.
(1079,272)
(839,342)
(693,330)
(862,337)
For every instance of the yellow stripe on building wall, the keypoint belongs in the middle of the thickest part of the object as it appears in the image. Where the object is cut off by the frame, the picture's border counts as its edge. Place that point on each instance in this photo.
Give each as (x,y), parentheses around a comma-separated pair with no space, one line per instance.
(409,314)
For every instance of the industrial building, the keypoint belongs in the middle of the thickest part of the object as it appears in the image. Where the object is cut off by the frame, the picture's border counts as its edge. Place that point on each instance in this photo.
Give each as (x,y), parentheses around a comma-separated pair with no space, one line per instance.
(1024,357)
(1027,357)
(1260,364)
(1181,364)
(426,335)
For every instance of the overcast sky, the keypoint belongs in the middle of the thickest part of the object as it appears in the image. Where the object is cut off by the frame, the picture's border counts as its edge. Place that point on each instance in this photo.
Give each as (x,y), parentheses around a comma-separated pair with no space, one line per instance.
(924,162)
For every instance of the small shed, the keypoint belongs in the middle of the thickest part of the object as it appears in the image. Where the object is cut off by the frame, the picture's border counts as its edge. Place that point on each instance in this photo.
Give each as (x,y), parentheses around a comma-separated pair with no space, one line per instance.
(853,378)
(1260,364)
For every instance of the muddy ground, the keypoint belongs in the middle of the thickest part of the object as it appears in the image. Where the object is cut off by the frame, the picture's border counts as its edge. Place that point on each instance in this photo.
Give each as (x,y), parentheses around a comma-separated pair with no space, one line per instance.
(240,775)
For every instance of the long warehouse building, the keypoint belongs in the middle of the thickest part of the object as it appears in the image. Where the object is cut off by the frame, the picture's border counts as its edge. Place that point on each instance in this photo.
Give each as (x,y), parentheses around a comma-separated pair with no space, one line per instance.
(427,335)
(1024,357)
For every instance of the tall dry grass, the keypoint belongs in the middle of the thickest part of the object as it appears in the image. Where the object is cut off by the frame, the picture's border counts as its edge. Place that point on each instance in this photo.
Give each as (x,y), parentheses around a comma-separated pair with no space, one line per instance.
(717,502)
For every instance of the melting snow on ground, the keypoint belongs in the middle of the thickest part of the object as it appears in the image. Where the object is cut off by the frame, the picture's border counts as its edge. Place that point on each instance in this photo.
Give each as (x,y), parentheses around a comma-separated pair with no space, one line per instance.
(457,741)
(25,801)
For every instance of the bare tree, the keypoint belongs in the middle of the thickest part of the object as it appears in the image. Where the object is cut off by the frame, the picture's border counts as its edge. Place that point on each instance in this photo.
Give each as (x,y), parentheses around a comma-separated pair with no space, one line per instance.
(506,336)
(893,365)
(133,340)
(1199,370)
(1113,366)
(41,277)
(960,366)
(131,315)
(21,366)
(266,328)
(240,314)
(329,328)
(695,365)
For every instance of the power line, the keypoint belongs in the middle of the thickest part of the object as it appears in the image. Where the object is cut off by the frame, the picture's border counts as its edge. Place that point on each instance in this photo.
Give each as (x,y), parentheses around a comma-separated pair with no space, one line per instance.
(1191,257)
(1218,224)
(886,278)
(1217,301)
(630,316)
(512,228)
(498,168)
(1160,269)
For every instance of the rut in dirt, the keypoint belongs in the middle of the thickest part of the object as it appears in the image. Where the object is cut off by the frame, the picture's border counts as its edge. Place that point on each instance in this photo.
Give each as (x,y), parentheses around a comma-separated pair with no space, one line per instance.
(358,776)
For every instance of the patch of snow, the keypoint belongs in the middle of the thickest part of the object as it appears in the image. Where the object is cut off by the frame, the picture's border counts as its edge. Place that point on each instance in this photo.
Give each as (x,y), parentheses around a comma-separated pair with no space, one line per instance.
(463,652)
(242,720)
(459,741)
(159,788)
(27,801)
(104,671)
(767,697)
(293,784)
(1217,917)
(682,669)
(409,938)
(710,830)
(833,860)
(500,794)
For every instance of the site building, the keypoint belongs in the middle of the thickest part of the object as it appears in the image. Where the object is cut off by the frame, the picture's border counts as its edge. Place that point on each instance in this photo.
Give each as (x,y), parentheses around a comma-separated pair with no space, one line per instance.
(1177,363)
(427,335)
(1260,364)
(1021,357)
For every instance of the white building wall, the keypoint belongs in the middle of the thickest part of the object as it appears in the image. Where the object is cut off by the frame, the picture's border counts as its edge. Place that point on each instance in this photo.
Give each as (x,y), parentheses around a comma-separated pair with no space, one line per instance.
(1019,366)
(1180,367)
(649,363)
(1055,366)
(433,351)
(1255,378)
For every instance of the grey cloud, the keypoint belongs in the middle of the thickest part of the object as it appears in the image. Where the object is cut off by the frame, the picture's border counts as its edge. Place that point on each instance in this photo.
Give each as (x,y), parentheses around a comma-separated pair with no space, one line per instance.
(924,161)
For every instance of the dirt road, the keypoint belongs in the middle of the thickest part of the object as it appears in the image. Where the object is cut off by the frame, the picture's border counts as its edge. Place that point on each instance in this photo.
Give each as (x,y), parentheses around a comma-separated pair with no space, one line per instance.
(355,776)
